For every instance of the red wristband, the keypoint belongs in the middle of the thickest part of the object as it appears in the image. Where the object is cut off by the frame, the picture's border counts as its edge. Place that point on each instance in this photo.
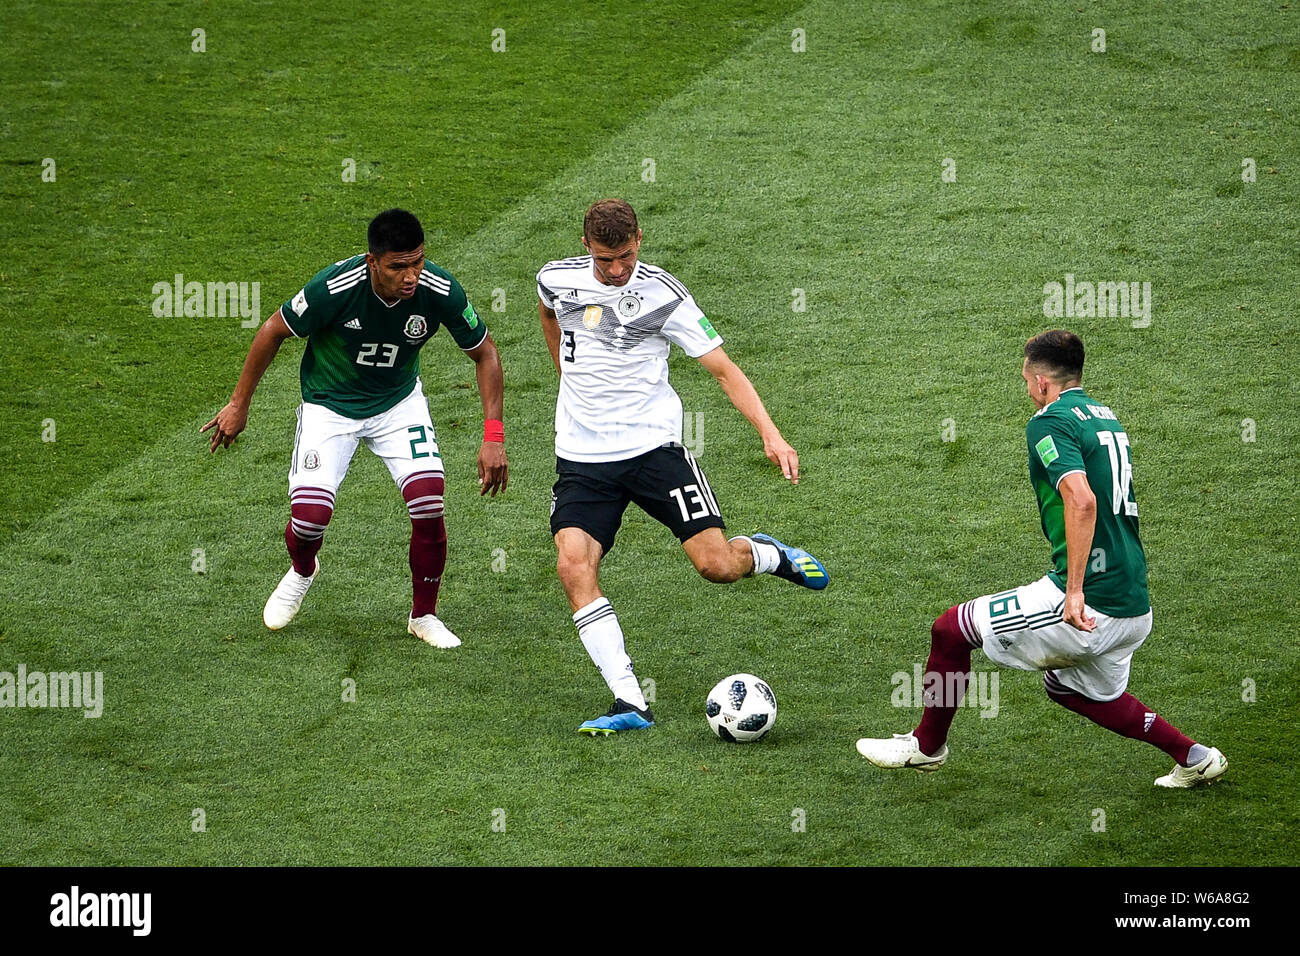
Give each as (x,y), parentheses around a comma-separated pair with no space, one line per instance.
(494,430)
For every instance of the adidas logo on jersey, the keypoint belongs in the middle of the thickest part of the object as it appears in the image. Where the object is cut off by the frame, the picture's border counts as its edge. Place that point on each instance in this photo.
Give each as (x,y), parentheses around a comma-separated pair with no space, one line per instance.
(354,324)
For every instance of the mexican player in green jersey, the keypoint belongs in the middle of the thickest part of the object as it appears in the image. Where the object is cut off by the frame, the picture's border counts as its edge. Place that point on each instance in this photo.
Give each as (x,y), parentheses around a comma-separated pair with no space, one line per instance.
(1082,621)
(365,320)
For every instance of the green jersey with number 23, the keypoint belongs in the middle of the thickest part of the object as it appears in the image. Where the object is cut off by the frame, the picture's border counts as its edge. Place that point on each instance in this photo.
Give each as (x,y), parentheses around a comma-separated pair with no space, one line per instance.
(363,355)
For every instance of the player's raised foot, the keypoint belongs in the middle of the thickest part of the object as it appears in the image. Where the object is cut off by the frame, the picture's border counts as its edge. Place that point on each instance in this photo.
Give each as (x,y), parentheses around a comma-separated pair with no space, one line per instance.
(622,716)
(797,565)
(287,597)
(901,750)
(1211,768)
(432,631)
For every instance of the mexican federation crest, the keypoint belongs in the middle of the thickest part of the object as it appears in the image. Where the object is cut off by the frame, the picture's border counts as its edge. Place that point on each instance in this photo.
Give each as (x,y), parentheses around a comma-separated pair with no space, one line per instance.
(416,327)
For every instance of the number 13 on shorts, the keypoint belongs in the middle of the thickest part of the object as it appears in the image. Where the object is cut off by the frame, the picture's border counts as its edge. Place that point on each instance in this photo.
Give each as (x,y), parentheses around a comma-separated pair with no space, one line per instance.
(690,494)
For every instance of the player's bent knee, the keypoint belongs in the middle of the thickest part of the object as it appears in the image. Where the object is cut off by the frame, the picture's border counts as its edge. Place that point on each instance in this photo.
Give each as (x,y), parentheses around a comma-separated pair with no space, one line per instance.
(423,493)
(946,628)
(1058,691)
(711,572)
(718,573)
(719,565)
(574,570)
(310,510)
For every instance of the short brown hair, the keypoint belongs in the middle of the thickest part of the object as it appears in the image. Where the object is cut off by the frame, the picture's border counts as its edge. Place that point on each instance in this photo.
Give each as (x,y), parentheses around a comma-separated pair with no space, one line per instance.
(1059,352)
(611,222)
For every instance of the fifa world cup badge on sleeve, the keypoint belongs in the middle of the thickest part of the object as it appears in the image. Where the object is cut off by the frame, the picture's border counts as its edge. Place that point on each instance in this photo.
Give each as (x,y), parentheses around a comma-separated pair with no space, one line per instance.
(1046,449)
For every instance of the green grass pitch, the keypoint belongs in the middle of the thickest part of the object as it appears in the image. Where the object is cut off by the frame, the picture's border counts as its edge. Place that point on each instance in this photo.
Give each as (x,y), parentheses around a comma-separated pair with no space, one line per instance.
(127,157)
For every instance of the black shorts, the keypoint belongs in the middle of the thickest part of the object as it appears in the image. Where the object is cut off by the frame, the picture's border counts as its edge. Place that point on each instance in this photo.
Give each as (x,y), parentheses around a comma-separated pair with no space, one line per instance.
(666,483)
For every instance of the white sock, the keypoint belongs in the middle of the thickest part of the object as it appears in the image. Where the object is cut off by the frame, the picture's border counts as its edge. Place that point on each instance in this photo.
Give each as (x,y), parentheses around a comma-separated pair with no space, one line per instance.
(601,635)
(766,557)
(1197,754)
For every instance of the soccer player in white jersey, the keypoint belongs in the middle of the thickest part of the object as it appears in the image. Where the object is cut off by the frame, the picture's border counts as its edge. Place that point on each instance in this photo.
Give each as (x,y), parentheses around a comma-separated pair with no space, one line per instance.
(365,320)
(609,320)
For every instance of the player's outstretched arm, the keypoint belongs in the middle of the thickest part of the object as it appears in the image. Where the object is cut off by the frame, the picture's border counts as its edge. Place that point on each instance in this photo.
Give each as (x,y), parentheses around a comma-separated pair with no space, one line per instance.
(737,387)
(492,465)
(551,332)
(1080,522)
(230,421)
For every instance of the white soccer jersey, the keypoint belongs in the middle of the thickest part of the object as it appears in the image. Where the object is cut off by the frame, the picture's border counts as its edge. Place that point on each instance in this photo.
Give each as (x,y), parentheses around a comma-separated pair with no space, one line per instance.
(615,401)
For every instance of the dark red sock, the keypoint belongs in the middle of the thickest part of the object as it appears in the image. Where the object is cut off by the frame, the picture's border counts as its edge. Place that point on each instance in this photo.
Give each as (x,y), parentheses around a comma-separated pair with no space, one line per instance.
(310,510)
(949,663)
(1126,716)
(423,494)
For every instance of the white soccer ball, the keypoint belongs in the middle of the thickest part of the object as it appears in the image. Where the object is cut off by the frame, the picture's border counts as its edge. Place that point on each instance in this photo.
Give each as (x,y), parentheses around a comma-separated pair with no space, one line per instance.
(741,708)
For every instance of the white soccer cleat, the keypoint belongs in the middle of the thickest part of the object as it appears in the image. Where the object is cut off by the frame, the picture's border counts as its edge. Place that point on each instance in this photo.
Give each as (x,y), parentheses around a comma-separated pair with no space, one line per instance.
(432,631)
(287,597)
(1208,769)
(901,750)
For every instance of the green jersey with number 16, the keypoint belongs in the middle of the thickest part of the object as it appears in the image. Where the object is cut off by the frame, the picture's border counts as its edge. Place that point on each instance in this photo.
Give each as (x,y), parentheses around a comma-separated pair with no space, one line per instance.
(1077,434)
(363,355)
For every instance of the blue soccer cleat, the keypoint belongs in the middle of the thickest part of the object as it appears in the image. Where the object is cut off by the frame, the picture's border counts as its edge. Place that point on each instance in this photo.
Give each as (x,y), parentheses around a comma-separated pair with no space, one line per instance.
(622,716)
(797,565)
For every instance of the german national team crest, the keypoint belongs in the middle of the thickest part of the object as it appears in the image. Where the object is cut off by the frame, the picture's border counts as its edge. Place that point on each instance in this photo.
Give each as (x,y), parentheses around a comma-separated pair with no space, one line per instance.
(629,305)
(591,317)
(416,327)
(311,460)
